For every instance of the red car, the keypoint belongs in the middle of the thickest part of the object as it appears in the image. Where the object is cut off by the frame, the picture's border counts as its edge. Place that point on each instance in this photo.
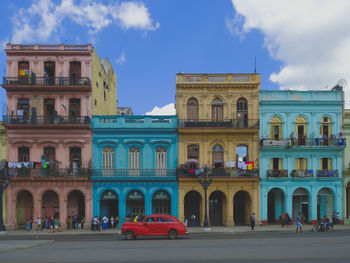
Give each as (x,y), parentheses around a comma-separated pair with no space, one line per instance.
(154,225)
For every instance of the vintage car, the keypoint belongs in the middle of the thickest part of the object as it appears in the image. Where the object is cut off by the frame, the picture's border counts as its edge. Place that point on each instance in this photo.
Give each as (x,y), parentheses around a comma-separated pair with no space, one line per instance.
(154,225)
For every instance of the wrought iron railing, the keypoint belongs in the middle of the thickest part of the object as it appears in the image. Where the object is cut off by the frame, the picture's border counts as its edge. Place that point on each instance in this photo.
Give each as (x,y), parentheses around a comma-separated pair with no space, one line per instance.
(46,81)
(277,173)
(303,141)
(301,173)
(9,119)
(327,173)
(200,123)
(219,172)
(48,172)
(134,172)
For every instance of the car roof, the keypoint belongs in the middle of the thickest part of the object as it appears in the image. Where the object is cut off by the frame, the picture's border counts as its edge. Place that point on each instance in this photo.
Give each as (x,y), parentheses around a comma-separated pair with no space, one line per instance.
(160,215)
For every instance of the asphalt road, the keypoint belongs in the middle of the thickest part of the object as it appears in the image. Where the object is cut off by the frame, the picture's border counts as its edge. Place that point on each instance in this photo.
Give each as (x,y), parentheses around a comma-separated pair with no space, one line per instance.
(248,247)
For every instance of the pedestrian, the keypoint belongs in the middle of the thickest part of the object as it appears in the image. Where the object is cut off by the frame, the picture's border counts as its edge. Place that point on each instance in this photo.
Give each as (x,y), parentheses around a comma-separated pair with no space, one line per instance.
(326,223)
(51,225)
(282,220)
(116,221)
(338,218)
(95,222)
(28,225)
(299,224)
(38,221)
(105,222)
(112,222)
(193,220)
(46,223)
(252,221)
(186,222)
(334,218)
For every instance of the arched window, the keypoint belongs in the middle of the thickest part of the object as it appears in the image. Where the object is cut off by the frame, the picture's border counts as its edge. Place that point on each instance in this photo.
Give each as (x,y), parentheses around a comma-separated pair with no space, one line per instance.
(301,130)
(193,151)
(218,156)
(275,128)
(325,130)
(108,158)
(242,153)
(134,161)
(242,112)
(161,160)
(217,110)
(192,109)
(23,154)
(50,154)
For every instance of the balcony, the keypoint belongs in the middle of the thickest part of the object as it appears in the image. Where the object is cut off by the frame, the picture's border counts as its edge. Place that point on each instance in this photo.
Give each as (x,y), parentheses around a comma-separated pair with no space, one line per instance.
(277,173)
(314,142)
(327,173)
(219,124)
(45,121)
(218,172)
(135,122)
(158,173)
(30,83)
(47,172)
(301,173)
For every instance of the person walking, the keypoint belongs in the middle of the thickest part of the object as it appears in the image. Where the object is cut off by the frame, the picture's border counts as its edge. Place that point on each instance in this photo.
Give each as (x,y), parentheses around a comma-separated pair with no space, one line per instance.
(252,221)
(38,221)
(334,218)
(105,222)
(116,221)
(299,224)
(186,222)
(112,222)
(193,220)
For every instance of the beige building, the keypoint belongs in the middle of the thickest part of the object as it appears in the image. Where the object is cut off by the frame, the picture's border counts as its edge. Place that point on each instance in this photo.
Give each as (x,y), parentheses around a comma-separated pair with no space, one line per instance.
(346,167)
(219,127)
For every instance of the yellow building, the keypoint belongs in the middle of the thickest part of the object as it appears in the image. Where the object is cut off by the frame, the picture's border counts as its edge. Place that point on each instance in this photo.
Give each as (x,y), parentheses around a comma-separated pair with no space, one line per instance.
(104,83)
(219,127)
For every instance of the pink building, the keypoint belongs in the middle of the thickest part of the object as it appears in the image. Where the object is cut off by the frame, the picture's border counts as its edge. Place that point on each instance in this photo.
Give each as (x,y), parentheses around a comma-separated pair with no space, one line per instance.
(50,94)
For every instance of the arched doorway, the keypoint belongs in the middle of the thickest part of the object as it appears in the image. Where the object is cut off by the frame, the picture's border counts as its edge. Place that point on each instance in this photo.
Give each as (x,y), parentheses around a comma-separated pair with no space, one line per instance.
(275,205)
(217,204)
(241,208)
(300,203)
(24,207)
(135,204)
(76,204)
(161,203)
(192,206)
(325,203)
(109,204)
(50,204)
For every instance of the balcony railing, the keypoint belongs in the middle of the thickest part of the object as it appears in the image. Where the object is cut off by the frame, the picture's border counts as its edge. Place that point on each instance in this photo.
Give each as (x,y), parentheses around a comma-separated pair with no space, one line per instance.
(277,173)
(252,123)
(43,120)
(318,142)
(219,172)
(46,81)
(134,172)
(301,173)
(48,172)
(327,173)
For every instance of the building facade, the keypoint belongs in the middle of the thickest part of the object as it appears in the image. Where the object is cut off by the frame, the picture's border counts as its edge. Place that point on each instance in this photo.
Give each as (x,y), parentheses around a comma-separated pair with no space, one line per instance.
(219,129)
(134,161)
(52,92)
(301,154)
(346,167)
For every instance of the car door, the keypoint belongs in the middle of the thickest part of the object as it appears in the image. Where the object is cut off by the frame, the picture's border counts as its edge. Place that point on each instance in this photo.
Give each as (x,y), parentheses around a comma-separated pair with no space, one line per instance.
(150,225)
(161,226)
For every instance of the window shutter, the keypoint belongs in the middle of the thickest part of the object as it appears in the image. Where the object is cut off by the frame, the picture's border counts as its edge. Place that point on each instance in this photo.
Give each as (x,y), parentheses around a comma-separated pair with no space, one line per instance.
(279,164)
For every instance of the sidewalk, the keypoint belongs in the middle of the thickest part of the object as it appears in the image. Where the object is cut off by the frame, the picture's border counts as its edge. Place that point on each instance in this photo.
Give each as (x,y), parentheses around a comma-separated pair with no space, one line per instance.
(191,230)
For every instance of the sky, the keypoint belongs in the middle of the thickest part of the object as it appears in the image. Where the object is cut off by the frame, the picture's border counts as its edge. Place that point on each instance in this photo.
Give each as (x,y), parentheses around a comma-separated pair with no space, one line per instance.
(300,44)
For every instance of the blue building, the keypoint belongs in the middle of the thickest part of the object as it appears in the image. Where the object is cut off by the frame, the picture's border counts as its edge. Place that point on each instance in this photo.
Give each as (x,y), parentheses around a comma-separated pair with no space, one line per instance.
(301,154)
(134,161)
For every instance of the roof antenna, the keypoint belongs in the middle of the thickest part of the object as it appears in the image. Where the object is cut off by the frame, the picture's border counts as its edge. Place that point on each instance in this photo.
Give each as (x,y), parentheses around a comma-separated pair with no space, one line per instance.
(255,65)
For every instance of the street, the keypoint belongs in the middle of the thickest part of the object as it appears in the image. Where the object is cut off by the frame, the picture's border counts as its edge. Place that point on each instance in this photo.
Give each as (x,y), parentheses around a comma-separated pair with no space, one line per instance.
(202,247)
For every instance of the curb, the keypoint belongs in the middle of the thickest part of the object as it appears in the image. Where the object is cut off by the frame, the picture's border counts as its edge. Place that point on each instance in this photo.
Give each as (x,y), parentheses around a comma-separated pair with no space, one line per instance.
(36,244)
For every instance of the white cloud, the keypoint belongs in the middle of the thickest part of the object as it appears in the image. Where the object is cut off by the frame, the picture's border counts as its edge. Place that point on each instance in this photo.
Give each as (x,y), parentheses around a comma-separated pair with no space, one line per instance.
(166,110)
(122,59)
(311,38)
(44,18)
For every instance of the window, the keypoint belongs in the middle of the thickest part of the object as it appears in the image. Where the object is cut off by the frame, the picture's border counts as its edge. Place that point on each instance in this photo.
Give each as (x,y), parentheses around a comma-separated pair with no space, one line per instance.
(50,154)
(108,158)
(23,154)
(325,130)
(23,108)
(95,102)
(161,160)
(218,156)
(326,164)
(217,110)
(193,151)
(134,161)
(242,153)
(192,109)
(74,110)
(96,84)
(242,113)
(75,157)
(301,164)
(74,72)
(276,164)
(275,128)
(23,70)
(49,72)
(150,220)
(301,130)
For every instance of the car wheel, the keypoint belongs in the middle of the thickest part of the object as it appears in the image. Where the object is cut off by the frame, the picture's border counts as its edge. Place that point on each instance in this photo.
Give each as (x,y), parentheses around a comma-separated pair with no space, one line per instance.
(172,234)
(129,235)
(314,229)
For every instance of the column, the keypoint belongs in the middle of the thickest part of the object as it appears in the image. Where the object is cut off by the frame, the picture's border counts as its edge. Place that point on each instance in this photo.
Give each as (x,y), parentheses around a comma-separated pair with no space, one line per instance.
(337,203)
(11,212)
(175,201)
(148,203)
(229,208)
(289,202)
(122,209)
(263,204)
(63,209)
(88,205)
(181,202)
(313,206)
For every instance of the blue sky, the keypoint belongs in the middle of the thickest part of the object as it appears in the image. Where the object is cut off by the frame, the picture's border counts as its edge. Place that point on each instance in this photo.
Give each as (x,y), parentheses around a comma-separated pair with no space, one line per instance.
(197,36)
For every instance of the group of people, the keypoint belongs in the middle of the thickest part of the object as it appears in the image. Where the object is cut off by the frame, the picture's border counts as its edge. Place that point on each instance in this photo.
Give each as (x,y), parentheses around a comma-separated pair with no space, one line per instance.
(102,223)
(51,223)
(75,222)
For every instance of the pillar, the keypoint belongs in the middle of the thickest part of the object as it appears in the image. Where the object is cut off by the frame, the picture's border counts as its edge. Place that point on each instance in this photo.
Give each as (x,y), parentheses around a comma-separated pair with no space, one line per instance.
(263,204)
(313,206)
(289,203)
(63,209)
(229,209)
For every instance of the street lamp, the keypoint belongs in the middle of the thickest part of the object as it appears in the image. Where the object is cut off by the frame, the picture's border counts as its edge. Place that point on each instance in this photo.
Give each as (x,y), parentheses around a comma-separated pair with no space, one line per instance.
(205,180)
(4,181)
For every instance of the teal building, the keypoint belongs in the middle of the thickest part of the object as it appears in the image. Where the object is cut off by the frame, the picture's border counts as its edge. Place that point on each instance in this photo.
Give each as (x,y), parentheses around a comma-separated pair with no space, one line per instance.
(301,147)
(134,161)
